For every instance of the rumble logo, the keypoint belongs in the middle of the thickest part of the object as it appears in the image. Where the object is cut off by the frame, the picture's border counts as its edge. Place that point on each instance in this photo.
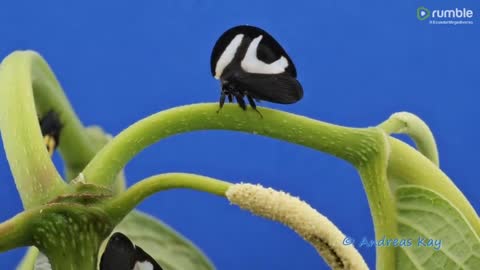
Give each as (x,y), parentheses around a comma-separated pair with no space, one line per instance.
(446,16)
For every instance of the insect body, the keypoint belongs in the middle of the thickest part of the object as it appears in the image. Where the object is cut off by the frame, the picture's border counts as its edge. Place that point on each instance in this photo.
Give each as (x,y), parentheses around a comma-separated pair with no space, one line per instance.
(122,254)
(250,63)
(51,126)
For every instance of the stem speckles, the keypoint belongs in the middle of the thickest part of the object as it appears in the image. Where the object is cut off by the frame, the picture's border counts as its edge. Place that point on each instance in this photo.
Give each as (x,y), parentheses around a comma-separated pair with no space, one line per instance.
(76,217)
(71,237)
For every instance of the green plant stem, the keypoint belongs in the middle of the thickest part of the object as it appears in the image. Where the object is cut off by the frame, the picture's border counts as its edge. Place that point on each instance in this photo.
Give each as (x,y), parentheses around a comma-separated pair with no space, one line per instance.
(70,235)
(28,261)
(339,141)
(75,146)
(99,139)
(16,232)
(36,177)
(415,128)
(29,89)
(359,146)
(120,206)
(380,200)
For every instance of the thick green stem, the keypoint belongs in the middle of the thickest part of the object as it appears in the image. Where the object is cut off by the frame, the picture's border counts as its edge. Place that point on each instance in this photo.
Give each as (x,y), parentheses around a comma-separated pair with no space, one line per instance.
(71,260)
(28,261)
(70,234)
(29,89)
(16,232)
(99,139)
(358,146)
(380,199)
(414,127)
(36,177)
(75,146)
(339,141)
(121,205)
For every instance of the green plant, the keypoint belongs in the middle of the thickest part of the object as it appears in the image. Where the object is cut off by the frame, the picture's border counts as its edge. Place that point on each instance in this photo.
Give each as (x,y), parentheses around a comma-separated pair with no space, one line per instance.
(407,192)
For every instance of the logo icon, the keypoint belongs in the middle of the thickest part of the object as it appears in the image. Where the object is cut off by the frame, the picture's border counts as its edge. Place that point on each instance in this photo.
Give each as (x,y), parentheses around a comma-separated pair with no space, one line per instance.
(423,13)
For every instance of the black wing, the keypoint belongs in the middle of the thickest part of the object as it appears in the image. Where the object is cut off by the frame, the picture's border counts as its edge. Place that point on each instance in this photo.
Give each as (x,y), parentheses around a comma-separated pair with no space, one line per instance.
(269,49)
(122,254)
(143,257)
(276,88)
(119,254)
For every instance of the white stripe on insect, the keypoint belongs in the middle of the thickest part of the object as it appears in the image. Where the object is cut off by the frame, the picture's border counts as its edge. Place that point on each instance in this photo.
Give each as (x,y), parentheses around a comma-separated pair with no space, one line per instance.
(252,64)
(143,266)
(227,55)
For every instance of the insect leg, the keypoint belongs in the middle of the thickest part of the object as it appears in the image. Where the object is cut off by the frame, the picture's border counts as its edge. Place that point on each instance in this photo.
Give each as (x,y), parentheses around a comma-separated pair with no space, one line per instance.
(222,101)
(254,106)
(240,101)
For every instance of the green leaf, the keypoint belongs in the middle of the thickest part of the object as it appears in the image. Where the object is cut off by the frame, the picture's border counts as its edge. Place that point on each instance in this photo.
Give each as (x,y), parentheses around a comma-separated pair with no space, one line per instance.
(441,237)
(397,166)
(171,250)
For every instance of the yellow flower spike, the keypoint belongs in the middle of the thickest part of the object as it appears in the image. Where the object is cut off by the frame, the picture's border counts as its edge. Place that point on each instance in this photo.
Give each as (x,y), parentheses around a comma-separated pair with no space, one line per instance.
(312,226)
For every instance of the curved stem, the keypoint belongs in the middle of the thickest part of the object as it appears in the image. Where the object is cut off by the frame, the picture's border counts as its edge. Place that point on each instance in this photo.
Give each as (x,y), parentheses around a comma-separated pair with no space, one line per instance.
(414,127)
(99,139)
(336,140)
(358,146)
(121,205)
(35,175)
(29,89)
(75,146)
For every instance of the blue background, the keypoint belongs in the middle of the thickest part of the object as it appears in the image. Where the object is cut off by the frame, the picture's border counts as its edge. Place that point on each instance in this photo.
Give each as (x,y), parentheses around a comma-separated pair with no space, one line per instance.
(358,62)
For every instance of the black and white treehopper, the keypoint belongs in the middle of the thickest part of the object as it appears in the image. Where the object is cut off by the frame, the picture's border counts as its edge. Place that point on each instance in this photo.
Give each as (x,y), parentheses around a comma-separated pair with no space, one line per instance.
(122,254)
(51,127)
(250,63)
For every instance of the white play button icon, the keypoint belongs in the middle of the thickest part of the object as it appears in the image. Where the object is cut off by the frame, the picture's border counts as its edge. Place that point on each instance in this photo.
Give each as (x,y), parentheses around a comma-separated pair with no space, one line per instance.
(423,13)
